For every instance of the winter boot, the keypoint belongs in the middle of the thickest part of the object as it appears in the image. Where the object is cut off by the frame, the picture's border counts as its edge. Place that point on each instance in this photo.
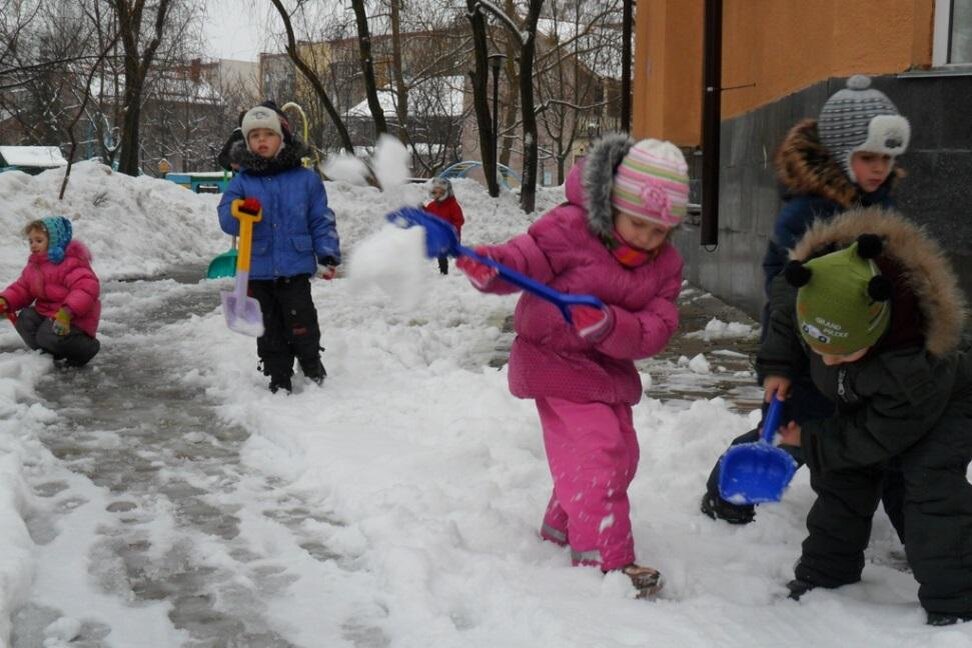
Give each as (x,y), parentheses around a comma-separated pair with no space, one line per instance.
(647,580)
(943,619)
(281,382)
(798,587)
(314,370)
(719,509)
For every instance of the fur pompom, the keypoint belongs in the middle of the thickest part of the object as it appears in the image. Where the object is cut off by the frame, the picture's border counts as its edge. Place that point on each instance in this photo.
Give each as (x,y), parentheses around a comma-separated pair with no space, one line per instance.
(797,274)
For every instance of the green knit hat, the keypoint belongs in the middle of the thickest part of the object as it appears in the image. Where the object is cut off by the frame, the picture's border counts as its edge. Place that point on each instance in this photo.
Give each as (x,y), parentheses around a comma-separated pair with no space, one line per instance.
(843,303)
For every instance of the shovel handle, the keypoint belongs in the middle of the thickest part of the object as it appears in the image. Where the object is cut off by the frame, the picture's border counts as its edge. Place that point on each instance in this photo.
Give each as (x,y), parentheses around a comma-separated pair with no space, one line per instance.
(772,420)
(246,233)
(563,301)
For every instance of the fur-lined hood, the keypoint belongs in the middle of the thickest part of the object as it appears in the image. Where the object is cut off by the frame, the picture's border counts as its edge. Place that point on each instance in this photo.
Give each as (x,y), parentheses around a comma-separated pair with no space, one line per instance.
(925,269)
(289,157)
(805,166)
(598,180)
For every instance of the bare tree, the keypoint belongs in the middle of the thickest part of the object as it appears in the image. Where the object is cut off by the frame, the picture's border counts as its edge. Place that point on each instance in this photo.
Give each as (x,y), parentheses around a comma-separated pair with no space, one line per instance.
(312,77)
(139,57)
(368,67)
(480,77)
(525,38)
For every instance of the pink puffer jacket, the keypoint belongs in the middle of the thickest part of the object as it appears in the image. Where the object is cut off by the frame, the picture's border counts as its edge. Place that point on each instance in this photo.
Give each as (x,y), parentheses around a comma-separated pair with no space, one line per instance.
(48,287)
(548,358)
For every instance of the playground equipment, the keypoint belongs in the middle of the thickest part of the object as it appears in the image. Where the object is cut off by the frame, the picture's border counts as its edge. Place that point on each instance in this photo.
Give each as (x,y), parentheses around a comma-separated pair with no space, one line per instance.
(462,169)
(310,163)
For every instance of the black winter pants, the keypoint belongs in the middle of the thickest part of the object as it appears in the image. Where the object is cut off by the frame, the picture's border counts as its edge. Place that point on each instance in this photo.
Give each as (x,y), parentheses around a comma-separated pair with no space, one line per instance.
(76,348)
(807,403)
(937,518)
(290,328)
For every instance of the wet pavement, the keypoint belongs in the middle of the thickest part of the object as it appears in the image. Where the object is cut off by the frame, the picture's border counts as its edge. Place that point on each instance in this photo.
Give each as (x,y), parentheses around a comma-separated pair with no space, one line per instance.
(131,426)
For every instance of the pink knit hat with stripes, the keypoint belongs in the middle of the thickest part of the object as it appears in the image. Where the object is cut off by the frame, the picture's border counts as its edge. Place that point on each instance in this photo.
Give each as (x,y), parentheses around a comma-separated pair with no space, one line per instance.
(652,183)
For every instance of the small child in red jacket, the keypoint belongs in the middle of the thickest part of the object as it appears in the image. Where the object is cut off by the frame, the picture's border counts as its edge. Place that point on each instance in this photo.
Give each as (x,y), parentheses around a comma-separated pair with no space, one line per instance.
(445,206)
(57,294)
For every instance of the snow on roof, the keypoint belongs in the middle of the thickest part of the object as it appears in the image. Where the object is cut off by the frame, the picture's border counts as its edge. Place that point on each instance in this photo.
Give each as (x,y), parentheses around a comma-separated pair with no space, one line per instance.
(435,97)
(38,157)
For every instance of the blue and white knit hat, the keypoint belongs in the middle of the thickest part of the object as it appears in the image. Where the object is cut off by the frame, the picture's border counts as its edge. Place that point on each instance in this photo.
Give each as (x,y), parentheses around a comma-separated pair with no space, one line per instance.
(59,232)
(861,118)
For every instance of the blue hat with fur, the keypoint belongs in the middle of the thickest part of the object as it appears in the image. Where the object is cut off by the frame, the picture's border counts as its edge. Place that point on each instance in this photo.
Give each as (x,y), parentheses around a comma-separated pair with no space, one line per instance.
(58,236)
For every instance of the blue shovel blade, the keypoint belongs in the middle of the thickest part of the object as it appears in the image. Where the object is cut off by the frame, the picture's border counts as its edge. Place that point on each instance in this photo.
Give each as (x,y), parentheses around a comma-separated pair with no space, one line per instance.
(440,237)
(754,473)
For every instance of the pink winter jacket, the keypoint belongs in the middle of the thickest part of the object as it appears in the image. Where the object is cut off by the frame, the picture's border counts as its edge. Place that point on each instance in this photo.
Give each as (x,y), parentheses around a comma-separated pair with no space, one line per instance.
(48,287)
(548,358)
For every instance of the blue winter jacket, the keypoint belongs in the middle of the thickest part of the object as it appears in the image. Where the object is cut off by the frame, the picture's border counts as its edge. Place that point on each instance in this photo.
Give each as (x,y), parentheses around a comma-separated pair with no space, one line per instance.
(297,230)
(796,217)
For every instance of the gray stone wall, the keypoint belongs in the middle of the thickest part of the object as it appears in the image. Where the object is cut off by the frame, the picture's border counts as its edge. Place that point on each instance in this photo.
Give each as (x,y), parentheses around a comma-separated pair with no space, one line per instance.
(937,191)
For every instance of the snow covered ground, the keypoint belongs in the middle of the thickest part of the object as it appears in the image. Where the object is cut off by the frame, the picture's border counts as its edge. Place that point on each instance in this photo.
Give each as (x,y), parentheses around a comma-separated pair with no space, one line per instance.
(425,479)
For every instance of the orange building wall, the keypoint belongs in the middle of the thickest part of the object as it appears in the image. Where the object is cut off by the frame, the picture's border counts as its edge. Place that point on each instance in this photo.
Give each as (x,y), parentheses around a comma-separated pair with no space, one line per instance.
(770,48)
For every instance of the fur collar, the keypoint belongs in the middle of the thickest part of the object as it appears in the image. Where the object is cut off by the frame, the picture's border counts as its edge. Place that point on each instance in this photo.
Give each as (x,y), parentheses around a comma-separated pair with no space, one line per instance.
(288,158)
(925,269)
(805,166)
(602,159)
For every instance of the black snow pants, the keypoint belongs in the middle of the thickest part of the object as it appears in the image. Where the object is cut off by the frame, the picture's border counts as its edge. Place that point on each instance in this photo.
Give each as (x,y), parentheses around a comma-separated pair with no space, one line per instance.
(937,518)
(76,348)
(290,326)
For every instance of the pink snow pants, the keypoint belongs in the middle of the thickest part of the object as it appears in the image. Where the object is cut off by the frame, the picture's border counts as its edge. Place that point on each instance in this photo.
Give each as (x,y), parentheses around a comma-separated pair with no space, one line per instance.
(593,454)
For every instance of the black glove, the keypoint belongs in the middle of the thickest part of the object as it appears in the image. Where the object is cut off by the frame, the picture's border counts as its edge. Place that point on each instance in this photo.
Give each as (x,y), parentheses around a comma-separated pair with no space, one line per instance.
(329,261)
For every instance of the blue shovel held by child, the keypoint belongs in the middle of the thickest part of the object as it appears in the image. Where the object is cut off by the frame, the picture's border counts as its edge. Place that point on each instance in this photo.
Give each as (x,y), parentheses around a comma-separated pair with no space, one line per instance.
(441,240)
(754,473)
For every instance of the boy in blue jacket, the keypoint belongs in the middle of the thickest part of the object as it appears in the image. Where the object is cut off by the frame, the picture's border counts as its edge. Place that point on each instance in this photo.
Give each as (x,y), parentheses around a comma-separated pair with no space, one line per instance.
(296,234)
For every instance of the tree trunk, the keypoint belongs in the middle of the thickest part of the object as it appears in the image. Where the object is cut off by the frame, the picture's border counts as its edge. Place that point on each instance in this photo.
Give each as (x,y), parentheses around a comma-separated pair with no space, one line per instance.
(401,90)
(368,67)
(136,69)
(480,100)
(528,190)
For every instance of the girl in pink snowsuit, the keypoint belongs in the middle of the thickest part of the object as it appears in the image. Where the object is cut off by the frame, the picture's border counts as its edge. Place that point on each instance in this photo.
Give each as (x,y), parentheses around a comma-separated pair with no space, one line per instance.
(610,240)
(57,294)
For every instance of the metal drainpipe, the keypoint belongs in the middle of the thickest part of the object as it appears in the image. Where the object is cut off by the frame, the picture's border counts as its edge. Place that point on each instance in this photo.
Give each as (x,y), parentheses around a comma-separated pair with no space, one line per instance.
(711,116)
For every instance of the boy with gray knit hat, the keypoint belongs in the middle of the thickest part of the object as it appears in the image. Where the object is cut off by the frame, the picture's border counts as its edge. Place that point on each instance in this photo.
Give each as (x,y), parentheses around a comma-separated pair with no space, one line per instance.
(842,160)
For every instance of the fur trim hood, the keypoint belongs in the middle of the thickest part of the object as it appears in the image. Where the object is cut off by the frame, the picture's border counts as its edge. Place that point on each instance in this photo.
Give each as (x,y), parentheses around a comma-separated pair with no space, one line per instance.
(805,166)
(598,180)
(925,270)
(288,158)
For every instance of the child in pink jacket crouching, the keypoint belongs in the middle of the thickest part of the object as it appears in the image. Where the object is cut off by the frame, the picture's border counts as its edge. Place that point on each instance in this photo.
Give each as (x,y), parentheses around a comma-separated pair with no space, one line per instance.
(611,240)
(57,294)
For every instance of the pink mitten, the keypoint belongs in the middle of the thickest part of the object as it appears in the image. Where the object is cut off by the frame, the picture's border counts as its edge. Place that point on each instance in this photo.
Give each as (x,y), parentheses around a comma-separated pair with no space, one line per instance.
(480,274)
(592,324)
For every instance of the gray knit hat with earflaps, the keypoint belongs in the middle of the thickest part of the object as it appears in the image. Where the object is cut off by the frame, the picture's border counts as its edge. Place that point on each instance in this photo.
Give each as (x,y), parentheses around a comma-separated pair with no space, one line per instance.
(861,118)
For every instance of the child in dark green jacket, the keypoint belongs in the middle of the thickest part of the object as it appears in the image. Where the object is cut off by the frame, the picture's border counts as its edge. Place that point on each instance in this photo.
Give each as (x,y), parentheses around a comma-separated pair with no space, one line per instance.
(873,307)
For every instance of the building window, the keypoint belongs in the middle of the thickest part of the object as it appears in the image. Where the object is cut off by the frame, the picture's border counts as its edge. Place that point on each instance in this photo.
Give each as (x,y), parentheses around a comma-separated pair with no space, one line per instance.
(953,33)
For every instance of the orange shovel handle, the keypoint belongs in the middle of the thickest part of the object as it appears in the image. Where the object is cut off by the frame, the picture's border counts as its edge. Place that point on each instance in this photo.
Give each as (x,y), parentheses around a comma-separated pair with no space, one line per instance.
(246,233)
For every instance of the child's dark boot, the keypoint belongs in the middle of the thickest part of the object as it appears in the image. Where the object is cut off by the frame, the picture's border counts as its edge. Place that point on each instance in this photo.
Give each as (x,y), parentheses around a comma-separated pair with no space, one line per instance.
(798,587)
(280,382)
(944,619)
(314,370)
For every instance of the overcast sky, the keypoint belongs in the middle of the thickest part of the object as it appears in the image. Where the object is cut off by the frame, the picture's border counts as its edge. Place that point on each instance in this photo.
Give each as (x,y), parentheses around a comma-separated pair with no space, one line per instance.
(236,29)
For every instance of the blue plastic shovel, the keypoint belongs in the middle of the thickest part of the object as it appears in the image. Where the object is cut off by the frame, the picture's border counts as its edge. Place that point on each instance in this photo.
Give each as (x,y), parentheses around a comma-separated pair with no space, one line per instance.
(753,473)
(441,240)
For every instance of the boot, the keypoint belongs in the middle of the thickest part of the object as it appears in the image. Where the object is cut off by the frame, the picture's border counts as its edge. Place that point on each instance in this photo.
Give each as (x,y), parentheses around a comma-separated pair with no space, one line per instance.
(647,580)
(314,370)
(719,509)
(281,382)
(944,619)
(798,587)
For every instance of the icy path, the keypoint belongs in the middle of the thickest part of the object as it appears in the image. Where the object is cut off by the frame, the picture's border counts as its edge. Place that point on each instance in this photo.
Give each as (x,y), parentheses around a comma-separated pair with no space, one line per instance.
(150,514)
